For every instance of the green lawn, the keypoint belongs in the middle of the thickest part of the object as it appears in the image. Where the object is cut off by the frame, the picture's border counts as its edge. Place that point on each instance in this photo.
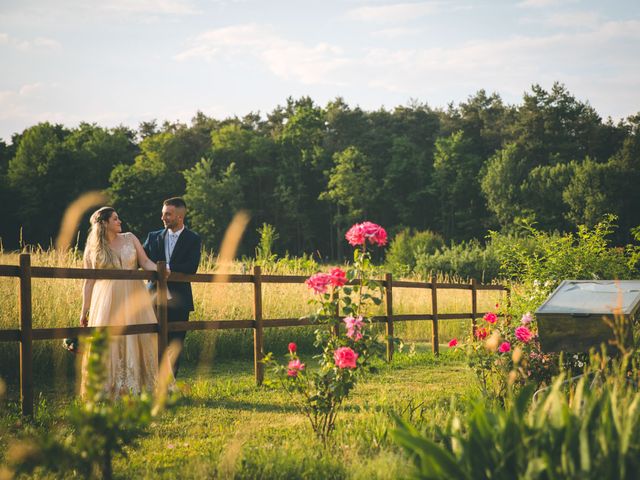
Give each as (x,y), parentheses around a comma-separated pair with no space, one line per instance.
(226,427)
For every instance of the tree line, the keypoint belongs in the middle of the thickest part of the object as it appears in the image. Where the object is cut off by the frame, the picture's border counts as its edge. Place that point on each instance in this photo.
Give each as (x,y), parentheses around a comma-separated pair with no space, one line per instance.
(311,171)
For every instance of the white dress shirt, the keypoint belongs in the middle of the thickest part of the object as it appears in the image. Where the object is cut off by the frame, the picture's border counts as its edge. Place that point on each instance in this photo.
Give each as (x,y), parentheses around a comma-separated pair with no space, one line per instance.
(170,240)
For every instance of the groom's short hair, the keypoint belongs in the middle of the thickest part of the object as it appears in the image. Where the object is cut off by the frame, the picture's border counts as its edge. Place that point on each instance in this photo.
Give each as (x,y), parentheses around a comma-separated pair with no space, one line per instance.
(177,202)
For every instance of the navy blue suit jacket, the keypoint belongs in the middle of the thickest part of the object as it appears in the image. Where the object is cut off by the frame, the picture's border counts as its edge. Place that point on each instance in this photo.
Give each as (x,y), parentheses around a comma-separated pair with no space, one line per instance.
(184,259)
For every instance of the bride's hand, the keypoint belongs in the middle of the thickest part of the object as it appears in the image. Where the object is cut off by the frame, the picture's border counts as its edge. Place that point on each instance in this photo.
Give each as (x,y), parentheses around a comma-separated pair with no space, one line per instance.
(84,321)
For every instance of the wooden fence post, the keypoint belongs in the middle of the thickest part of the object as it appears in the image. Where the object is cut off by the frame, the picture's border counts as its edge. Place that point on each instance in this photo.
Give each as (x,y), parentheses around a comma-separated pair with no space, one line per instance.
(257,326)
(161,309)
(508,292)
(435,341)
(474,306)
(389,325)
(26,336)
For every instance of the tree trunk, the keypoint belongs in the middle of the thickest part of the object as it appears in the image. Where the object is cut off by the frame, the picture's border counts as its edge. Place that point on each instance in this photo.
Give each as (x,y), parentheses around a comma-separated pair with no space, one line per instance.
(107,472)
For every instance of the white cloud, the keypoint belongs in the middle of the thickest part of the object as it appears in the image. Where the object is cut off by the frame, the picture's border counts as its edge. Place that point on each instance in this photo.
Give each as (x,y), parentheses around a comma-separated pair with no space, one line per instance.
(285,58)
(512,65)
(573,20)
(24,104)
(398,12)
(210,44)
(14,103)
(396,32)
(34,14)
(544,3)
(5,98)
(29,88)
(38,43)
(156,7)
(47,43)
(509,65)
(30,104)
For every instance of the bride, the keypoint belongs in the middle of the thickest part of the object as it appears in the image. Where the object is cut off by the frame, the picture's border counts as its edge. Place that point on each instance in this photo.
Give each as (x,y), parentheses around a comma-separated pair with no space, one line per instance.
(132,360)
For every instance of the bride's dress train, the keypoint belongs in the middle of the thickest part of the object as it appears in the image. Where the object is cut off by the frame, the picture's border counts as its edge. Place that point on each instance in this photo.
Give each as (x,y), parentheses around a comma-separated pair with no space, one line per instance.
(132,360)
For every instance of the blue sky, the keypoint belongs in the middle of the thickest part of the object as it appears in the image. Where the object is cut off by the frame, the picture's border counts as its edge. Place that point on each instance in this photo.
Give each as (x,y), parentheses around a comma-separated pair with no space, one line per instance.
(125,61)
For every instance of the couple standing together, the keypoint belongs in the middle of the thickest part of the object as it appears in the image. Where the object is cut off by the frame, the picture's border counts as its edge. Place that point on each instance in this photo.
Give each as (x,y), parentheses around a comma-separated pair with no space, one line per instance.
(132,360)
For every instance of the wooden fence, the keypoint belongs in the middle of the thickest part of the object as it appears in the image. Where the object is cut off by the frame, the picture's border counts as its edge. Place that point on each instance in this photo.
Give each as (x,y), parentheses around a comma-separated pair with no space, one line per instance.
(26,334)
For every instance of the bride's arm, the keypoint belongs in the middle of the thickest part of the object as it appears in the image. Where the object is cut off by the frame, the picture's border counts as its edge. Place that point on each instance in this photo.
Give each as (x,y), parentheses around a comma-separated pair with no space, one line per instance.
(143,260)
(87,291)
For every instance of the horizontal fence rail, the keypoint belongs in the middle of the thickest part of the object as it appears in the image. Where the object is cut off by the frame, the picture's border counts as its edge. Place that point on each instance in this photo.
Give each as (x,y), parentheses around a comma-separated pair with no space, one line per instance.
(26,334)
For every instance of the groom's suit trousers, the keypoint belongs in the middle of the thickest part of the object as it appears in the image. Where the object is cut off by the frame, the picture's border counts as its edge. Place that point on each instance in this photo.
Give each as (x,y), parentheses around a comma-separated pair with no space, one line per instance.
(177,313)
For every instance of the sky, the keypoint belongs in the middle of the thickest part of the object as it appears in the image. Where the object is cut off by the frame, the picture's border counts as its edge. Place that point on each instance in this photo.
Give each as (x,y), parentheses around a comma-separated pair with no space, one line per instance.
(122,62)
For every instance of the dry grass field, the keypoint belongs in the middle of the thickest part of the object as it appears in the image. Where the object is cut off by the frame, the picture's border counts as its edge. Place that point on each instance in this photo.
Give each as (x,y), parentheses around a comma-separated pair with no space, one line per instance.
(56,303)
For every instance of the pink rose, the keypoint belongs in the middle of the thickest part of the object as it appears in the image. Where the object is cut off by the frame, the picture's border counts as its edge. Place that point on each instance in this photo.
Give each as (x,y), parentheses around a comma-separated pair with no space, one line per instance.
(374,233)
(319,282)
(453,342)
(338,277)
(355,235)
(294,367)
(360,232)
(524,334)
(345,357)
(354,325)
(490,317)
(504,347)
(481,333)
(526,319)
(292,347)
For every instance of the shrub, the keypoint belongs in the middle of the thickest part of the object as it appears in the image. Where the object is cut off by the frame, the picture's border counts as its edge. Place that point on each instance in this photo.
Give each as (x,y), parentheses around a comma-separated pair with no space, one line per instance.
(464,260)
(587,254)
(538,262)
(269,261)
(345,357)
(406,246)
(264,250)
(506,356)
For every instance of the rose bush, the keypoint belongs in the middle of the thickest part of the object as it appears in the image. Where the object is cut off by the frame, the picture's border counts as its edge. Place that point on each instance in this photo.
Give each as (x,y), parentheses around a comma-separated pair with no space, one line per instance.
(344,299)
(504,355)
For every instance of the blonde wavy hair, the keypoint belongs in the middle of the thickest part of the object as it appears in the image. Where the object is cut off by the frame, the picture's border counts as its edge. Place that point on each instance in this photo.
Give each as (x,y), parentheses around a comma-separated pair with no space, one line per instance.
(97,249)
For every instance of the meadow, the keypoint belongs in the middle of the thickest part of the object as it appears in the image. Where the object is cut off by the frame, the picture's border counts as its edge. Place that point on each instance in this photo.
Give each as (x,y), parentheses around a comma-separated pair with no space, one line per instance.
(223,425)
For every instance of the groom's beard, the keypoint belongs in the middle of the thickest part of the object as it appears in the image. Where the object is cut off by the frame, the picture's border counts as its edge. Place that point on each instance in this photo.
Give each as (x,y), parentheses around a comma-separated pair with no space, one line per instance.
(174,226)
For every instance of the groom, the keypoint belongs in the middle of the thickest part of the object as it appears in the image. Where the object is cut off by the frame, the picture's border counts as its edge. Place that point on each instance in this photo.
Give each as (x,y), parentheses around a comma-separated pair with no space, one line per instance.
(180,248)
